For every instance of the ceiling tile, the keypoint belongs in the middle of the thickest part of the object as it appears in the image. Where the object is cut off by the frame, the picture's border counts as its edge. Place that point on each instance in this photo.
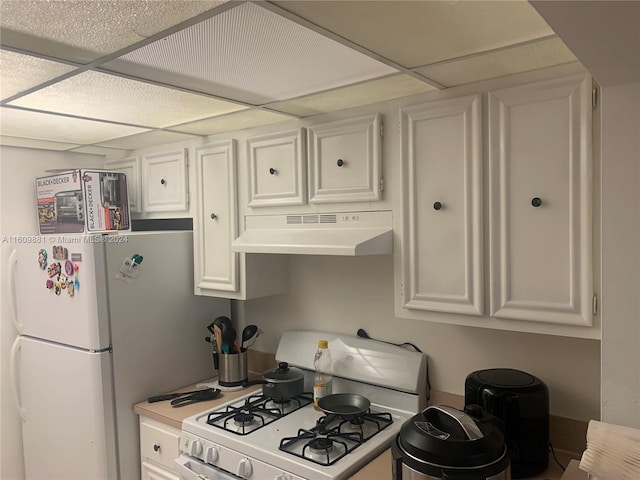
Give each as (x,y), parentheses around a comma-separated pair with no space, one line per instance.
(21,72)
(110,97)
(395,86)
(42,126)
(34,143)
(147,139)
(417,33)
(232,122)
(86,30)
(522,58)
(250,54)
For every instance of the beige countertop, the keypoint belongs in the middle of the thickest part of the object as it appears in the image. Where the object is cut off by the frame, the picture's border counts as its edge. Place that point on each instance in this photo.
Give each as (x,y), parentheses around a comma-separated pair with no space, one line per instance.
(173,416)
(377,469)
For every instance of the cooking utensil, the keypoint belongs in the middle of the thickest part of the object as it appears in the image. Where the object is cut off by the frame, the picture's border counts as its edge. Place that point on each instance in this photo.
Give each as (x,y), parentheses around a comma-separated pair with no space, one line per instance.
(201,396)
(217,333)
(171,396)
(248,333)
(442,442)
(282,383)
(345,405)
(363,334)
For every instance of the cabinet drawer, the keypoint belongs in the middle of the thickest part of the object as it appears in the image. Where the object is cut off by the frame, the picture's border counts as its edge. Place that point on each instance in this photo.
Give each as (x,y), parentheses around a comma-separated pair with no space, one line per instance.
(159,443)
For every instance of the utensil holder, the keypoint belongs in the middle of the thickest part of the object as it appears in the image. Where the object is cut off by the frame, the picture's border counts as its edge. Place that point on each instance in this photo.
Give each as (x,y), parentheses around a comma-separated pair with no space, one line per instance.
(233,369)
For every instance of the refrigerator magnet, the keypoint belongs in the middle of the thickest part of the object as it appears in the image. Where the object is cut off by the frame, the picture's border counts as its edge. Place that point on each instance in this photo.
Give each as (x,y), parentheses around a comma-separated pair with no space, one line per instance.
(42,258)
(49,284)
(52,270)
(68,268)
(57,288)
(70,289)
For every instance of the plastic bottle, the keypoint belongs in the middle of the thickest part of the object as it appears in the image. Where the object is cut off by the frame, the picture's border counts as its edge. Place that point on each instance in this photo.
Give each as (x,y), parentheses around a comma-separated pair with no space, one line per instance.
(322,385)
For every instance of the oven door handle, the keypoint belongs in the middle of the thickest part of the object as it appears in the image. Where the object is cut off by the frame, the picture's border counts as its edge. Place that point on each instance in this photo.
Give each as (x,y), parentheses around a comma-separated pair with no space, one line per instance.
(194,469)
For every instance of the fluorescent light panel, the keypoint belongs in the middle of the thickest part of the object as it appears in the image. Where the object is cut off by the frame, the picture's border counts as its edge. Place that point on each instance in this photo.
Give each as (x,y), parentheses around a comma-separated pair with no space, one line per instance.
(252,55)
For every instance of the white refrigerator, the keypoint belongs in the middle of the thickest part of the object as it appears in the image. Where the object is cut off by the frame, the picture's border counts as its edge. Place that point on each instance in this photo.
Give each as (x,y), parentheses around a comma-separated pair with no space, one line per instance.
(112,322)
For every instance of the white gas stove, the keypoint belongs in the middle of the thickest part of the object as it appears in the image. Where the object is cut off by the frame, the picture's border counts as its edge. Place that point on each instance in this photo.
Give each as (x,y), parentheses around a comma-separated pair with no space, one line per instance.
(256,438)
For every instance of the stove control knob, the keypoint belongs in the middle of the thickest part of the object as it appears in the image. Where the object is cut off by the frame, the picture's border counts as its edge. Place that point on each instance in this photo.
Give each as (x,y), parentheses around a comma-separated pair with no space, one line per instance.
(211,455)
(195,448)
(244,468)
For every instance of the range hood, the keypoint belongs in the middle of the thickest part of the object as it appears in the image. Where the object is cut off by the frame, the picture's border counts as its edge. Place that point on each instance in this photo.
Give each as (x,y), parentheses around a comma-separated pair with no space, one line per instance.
(345,233)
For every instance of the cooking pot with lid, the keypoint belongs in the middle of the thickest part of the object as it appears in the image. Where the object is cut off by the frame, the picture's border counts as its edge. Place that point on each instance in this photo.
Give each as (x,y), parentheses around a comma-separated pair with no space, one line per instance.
(282,383)
(444,443)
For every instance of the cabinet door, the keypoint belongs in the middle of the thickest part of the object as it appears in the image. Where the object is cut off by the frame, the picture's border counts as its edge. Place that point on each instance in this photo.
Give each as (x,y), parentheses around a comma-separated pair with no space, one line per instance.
(442,247)
(159,443)
(216,221)
(541,202)
(165,180)
(131,167)
(345,160)
(277,169)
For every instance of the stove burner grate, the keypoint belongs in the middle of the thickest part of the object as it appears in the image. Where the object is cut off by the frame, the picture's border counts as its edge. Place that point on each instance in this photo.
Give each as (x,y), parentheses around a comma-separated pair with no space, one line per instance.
(255,412)
(334,437)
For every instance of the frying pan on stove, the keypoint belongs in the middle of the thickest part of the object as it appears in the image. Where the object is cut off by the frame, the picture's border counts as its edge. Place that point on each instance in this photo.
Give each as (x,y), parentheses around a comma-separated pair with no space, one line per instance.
(345,405)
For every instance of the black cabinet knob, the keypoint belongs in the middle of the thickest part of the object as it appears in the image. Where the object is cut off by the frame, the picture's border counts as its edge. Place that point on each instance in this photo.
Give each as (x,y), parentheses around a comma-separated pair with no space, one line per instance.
(156,448)
(437,206)
(163,181)
(536,202)
(273,171)
(340,162)
(213,216)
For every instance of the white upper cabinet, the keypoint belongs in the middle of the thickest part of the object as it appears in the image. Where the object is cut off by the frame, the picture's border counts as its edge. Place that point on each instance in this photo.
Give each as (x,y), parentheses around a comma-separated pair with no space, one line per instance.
(540,202)
(345,160)
(218,271)
(277,169)
(165,181)
(216,222)
(131,167)
(442,207)
(496,221)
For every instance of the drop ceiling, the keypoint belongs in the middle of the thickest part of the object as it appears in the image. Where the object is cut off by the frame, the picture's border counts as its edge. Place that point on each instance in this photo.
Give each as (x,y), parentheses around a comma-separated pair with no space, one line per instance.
(105,77)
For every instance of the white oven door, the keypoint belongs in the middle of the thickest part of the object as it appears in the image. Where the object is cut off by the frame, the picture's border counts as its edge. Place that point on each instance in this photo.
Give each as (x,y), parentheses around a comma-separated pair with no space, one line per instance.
(194,469)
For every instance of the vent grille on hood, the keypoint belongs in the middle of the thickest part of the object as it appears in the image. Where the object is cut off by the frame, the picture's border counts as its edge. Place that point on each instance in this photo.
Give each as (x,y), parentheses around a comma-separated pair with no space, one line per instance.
(350,233)
(309,219)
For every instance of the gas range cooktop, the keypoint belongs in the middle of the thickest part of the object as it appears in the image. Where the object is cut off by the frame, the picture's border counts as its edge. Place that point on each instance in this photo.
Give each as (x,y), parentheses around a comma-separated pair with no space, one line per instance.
(254,437)
(302,443)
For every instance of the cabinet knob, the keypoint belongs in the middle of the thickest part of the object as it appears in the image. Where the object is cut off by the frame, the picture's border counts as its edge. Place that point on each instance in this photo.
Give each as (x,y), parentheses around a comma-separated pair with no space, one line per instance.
(340,162)
(273,171)
(437,206)
(213,216)
(163,181)
(536,202)
(156,447)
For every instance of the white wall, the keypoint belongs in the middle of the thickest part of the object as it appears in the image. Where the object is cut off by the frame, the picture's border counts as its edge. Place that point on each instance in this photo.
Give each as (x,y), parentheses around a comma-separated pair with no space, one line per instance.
(18,169)
(344,294)
(621,255)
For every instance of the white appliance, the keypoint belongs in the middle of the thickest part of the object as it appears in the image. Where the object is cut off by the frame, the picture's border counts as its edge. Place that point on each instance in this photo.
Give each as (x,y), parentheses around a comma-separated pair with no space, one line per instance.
(116,334)
(343,233)
(254,437)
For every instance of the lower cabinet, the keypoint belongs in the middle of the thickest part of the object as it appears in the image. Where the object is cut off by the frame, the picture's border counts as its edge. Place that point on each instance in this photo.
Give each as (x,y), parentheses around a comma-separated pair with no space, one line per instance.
(159,447)
(218,271)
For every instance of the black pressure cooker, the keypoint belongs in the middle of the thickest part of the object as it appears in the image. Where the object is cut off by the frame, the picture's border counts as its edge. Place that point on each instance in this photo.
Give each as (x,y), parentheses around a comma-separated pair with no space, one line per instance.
(444,443)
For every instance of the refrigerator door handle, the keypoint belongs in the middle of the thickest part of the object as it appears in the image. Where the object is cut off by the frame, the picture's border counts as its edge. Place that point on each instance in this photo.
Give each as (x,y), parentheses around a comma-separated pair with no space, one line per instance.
(13,261)
(13,372)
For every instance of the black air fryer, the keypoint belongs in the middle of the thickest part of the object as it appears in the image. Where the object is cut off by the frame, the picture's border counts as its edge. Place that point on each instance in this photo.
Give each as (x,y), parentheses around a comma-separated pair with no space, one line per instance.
(521,401)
